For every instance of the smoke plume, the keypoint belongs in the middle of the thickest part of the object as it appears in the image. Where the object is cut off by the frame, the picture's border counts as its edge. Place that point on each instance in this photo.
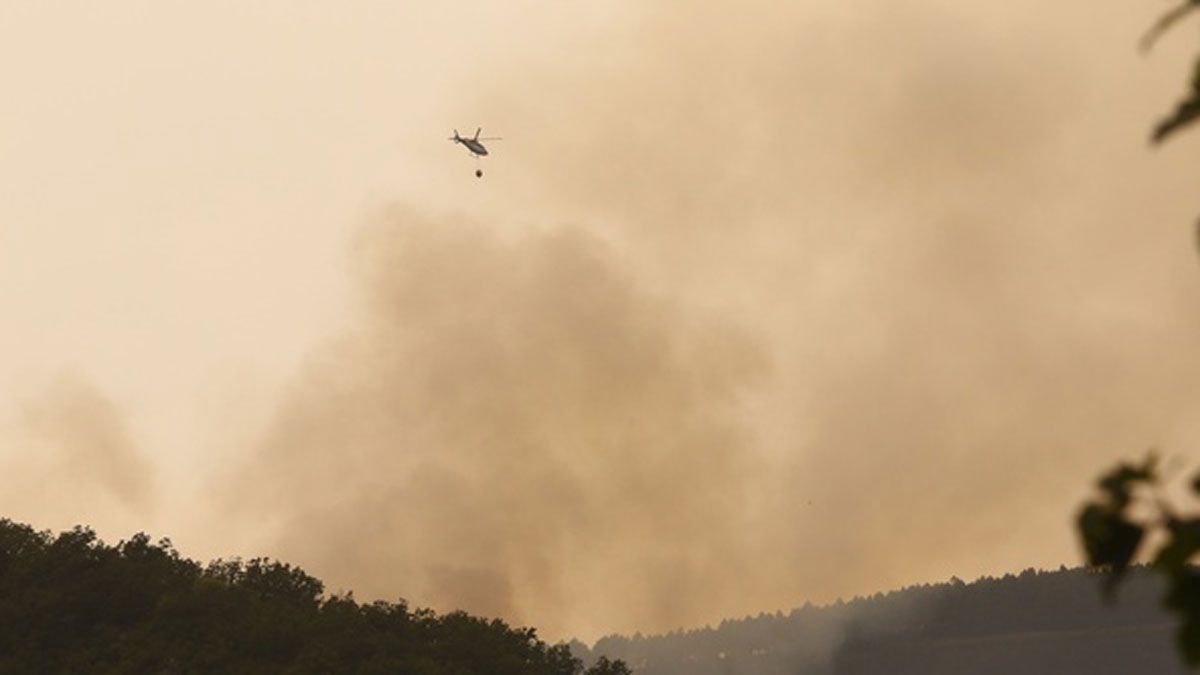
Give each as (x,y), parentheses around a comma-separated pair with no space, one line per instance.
(516,428)
(71,459)
(855,298)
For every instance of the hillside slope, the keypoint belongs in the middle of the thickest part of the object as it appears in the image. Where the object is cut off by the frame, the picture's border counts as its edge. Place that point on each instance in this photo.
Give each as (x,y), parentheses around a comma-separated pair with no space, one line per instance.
(1035,623)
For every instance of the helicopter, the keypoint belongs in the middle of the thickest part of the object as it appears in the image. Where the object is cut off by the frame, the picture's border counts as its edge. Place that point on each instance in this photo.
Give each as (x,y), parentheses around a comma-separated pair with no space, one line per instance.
(474,146)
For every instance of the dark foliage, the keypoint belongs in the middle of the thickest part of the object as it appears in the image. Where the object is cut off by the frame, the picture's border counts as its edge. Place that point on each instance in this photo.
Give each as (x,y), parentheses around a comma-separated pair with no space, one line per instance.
(72,604)
(1113,535)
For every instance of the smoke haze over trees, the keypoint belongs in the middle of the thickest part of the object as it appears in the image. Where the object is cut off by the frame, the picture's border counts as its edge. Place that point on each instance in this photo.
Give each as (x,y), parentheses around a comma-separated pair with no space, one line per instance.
(733,268)
(1037,623)
(72,604)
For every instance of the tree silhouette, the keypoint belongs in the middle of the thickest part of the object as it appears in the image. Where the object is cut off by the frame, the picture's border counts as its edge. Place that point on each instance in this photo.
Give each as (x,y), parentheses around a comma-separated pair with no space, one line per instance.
(1111,530)
(72,604)
(1129,511)
(1035,623)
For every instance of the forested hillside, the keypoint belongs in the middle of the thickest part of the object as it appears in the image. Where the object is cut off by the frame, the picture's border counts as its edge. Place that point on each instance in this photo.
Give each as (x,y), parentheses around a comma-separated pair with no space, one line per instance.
(1034,623)
(72,604)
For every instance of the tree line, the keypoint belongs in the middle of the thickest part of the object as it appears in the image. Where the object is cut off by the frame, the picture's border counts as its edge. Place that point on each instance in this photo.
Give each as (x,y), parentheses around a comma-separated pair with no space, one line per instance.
(1034,622)
(69,603)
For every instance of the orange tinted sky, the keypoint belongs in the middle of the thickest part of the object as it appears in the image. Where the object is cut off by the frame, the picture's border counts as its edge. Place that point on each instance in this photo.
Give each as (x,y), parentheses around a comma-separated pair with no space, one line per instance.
(755,304)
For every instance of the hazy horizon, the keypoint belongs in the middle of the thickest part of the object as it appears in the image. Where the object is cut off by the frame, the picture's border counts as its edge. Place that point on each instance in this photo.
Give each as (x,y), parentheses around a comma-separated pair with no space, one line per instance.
(752,307)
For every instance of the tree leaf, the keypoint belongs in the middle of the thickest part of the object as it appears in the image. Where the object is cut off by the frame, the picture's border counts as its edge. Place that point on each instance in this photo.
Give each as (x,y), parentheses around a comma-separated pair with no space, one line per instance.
(1184,543)
(1119,483)
(1109,540)
(1185,113)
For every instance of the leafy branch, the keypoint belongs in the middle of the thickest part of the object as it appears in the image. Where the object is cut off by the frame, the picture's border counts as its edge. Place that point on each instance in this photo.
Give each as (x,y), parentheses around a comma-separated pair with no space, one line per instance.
(1113,535)
(1187,110)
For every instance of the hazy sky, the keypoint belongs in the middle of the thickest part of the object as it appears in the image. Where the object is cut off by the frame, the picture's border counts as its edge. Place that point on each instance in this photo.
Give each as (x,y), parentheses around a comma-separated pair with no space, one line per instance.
(757,303)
